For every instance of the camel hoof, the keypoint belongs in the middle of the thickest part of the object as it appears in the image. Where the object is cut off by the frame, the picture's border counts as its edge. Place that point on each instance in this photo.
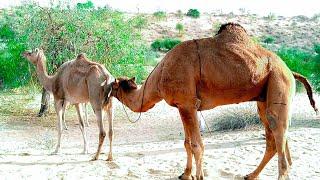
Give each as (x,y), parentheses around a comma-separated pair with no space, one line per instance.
(283,177)
(84,152)
(94,158)
(250,177)
(54,153)
(185,177)
(110,158)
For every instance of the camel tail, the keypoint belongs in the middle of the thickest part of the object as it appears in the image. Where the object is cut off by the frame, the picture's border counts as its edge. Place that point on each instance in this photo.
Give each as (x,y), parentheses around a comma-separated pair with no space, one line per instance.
(308,87)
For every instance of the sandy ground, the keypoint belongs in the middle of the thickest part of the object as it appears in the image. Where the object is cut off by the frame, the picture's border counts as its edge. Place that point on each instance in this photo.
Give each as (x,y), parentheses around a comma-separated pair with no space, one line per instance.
(150,149)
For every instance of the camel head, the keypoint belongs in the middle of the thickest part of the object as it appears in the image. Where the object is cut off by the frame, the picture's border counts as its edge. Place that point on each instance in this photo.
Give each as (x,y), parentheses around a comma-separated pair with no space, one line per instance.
(117,87)
(33,56)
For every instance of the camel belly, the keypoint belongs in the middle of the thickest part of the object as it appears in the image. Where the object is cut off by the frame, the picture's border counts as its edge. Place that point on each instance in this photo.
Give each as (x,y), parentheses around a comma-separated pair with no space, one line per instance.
(214,98)
(77,92)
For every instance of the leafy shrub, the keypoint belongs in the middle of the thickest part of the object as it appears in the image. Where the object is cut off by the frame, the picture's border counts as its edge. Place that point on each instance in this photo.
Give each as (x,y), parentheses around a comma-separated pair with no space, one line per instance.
(165,44)
(303,62)
(86,5)
(193,13)
(269,39)
(160,15)
(139,22)
(316,48)
(106,36)
(180,28)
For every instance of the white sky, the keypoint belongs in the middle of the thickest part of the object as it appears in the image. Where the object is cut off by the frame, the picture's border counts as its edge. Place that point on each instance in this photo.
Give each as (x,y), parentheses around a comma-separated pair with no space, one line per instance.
(261,7)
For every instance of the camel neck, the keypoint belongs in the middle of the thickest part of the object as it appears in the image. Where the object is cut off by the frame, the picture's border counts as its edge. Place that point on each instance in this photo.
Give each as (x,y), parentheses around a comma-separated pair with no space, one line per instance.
(132,99)
(42,73)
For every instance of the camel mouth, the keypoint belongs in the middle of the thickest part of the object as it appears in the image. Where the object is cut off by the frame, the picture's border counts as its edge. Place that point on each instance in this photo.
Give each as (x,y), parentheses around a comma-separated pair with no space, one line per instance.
(26,54)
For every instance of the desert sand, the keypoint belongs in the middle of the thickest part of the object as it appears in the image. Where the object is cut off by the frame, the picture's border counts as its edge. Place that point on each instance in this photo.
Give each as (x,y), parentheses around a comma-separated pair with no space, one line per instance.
(152,148)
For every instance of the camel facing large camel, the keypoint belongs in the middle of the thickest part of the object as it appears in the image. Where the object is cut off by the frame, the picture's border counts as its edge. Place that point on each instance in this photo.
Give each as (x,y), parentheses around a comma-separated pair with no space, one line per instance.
(76,82)
(205,73)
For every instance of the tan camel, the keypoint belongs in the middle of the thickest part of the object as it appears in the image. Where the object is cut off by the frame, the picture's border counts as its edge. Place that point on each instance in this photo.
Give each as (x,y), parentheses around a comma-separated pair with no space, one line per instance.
(226,69)
(76,82)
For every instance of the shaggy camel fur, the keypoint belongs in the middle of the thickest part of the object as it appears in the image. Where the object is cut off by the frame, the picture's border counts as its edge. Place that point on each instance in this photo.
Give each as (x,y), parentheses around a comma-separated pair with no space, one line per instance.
(76,82)
(226,69)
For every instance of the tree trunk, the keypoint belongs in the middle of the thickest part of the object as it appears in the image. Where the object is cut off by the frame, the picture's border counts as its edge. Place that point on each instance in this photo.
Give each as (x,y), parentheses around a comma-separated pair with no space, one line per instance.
(44,102)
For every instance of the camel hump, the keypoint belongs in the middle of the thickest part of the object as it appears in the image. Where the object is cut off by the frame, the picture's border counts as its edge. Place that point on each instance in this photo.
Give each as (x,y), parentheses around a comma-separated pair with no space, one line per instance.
(230,26)
(81,56)
(233,33)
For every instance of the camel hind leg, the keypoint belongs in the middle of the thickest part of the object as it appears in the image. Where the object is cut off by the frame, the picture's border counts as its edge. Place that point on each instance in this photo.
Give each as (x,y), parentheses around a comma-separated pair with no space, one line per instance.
(95,91)
(270,142)
(82,128)
(280,91)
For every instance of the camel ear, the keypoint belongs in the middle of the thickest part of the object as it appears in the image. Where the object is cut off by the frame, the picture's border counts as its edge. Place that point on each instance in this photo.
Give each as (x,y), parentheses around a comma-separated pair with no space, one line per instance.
(133,79)
(132,83)
(115,84)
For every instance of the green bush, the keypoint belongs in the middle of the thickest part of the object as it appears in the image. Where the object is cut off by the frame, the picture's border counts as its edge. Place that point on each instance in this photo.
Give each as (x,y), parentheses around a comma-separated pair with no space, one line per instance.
(303,62)
(160,15)
(193,13)
(269,39)
(165,44)
(106,36)
(316,48)
(180,28)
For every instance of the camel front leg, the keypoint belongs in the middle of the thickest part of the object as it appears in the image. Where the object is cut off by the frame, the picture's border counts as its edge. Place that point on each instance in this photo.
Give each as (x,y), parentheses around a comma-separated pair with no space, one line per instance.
(58,104)
(82,128)
(102,132)
(193,143)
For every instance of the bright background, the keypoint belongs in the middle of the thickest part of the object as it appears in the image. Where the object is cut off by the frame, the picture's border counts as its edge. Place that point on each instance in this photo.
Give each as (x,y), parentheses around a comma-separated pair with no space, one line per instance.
(261,7)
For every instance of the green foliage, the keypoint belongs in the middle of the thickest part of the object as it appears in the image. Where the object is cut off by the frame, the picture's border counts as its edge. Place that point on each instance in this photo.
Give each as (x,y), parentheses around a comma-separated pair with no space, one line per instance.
(106,36)
(180,28)
(193,13)
(86,5)
(316,48)
(269,39)
(303,62)
(165,44)
(255,39)
(160,15)
(139,21)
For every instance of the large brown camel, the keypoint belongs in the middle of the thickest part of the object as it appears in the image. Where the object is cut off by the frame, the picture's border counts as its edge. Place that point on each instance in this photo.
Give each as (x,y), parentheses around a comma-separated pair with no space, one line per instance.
(76,82)
(226,69)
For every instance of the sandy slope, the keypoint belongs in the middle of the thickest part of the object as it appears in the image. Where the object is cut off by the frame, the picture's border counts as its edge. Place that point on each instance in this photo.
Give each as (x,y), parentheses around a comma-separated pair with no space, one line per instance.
(150,149)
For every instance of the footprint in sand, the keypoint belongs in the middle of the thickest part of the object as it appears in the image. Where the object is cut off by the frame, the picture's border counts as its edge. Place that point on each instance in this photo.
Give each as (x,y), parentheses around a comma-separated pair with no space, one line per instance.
(113,165)
(155,171)
(226,174)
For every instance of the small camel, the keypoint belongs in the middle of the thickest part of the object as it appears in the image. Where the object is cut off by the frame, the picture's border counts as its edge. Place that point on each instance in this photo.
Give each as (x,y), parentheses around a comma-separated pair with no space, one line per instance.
(76,82)
(205,73)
